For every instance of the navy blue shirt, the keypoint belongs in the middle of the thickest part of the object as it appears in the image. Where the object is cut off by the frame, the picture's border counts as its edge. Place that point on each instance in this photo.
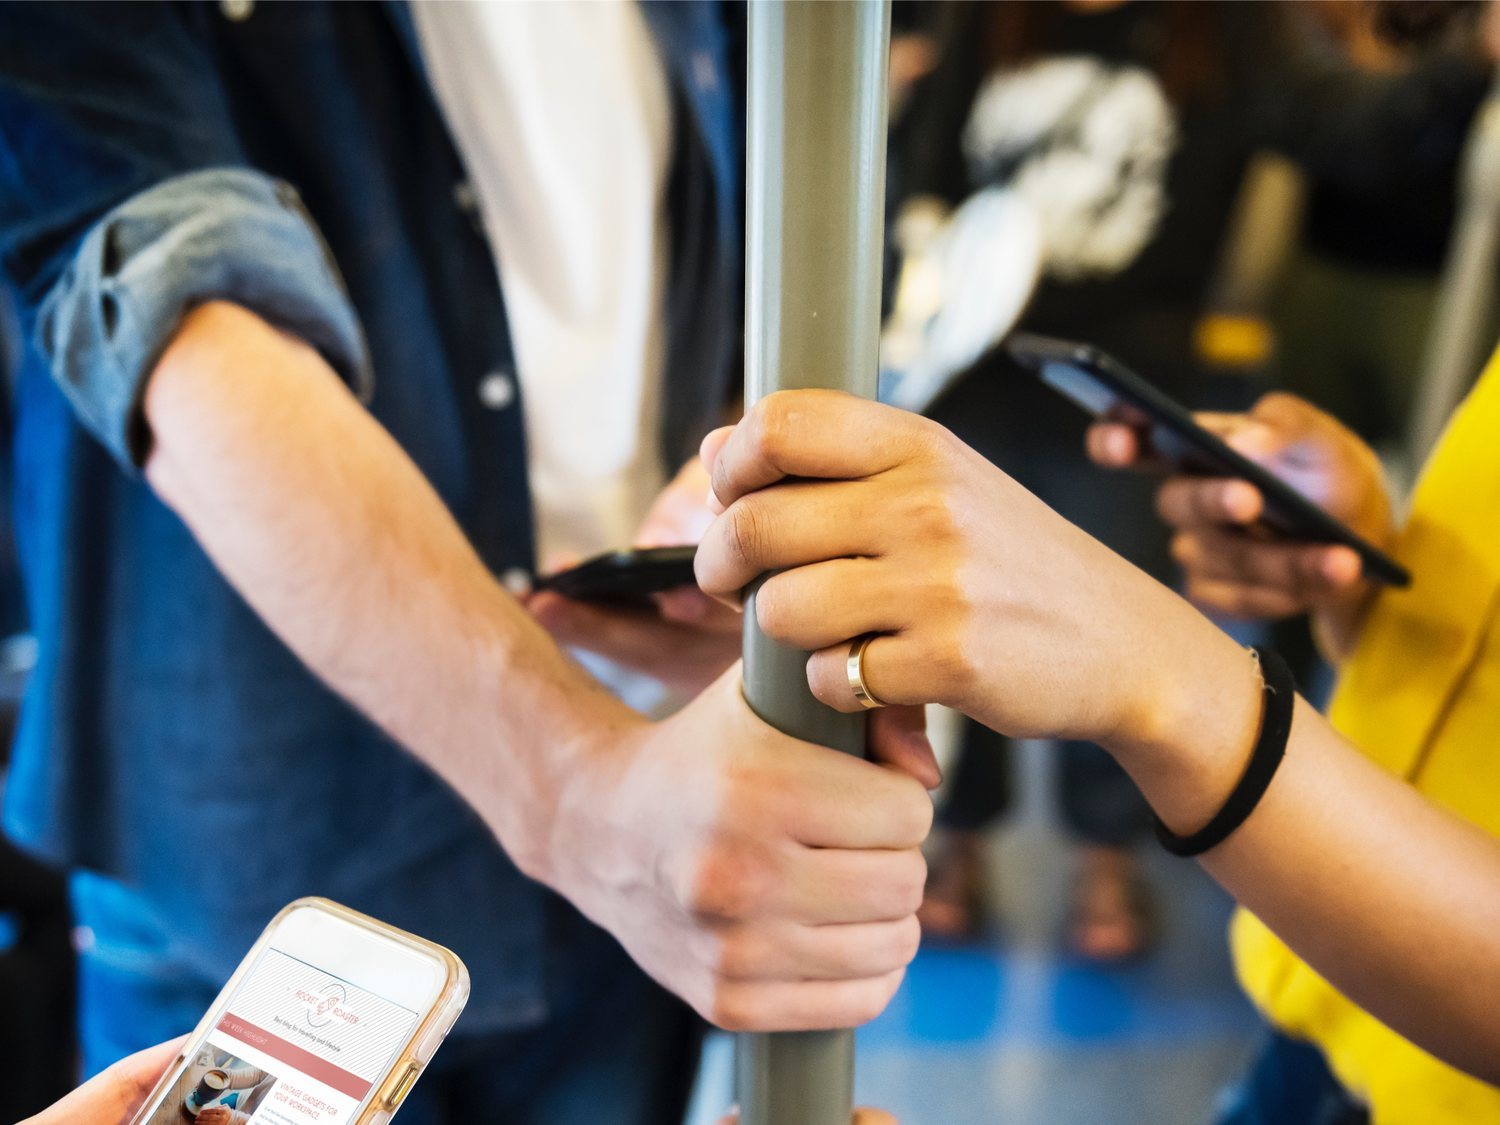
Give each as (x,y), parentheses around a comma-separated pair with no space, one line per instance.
(156,155)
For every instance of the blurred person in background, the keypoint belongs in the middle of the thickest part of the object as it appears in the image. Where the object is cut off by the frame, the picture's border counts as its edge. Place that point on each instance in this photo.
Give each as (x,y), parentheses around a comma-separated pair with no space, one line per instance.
(1353,308)
(1127,129)
(339,320)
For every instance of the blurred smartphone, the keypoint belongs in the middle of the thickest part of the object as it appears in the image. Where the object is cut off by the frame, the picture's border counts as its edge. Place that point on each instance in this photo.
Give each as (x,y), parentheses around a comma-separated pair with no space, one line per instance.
(628,577)
(1106,388)
(330,1019)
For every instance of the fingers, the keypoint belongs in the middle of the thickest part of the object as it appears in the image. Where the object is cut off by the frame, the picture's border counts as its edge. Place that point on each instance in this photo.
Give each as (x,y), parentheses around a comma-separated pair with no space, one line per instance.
(1114,445)
(628,636)
(115,1094)
(788,526)
(897,669)
(804,886)
(788,435)
(1252,578)
(1196,502)
(795,953)
(802,1005)
(836,887)
(843,802)
(680,514)
(690,606)
(685,656)
(826,603)
(898,738)
(1305,570)
(708,453)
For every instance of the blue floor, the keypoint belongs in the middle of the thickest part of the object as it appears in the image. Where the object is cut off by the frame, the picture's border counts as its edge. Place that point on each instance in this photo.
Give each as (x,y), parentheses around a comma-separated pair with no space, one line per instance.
(1010,1031)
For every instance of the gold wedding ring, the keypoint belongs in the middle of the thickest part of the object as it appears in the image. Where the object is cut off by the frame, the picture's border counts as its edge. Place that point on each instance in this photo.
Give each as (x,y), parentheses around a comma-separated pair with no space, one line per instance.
(854,668)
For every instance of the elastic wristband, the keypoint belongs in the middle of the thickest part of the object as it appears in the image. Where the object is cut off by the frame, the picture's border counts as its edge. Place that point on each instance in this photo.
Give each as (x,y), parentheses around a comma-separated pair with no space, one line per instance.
(1278,698)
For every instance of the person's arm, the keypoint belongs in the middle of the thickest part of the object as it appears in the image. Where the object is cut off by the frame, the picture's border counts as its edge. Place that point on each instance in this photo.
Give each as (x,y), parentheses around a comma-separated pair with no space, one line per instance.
(771,883)
(984,599)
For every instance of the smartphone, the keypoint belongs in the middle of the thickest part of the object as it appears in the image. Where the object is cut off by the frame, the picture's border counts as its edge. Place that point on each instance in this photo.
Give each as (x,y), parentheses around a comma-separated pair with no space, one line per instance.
(330,1018)
(1106,388)
(629,577)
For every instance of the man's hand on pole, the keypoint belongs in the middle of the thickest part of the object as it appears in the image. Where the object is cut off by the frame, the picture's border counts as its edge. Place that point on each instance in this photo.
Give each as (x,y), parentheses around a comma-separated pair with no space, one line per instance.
(771,883)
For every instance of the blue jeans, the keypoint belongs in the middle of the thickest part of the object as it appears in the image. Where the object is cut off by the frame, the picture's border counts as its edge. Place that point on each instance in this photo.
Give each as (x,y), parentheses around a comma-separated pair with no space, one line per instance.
(1288,1083)
(614,1049)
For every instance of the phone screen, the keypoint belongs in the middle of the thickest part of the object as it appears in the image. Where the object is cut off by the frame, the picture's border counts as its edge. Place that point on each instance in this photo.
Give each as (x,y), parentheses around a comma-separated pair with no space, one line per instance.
(293,1045)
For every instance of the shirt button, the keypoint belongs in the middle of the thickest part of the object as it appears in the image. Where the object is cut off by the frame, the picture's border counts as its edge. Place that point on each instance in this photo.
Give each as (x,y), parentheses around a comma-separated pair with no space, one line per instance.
(517,581)
(497,390)
(705,74)
(237,11)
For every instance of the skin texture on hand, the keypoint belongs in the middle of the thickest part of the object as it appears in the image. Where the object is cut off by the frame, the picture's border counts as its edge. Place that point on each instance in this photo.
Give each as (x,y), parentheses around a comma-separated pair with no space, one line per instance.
(982,598)
(778,885)
(770,883)
(689,639)
(113,1097)
(1231,565)
(985,599)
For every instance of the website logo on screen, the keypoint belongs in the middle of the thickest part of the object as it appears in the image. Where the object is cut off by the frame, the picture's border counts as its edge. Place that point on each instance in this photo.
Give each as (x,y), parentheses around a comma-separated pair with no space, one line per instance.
(324,1007)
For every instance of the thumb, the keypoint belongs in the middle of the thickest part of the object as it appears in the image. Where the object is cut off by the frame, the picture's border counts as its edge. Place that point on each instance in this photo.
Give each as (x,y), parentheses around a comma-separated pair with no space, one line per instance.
(708,453)
(1259,439)
(898,738)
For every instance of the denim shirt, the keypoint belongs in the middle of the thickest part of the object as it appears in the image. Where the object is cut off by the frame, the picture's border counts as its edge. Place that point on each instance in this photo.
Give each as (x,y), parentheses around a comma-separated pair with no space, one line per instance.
(156,155)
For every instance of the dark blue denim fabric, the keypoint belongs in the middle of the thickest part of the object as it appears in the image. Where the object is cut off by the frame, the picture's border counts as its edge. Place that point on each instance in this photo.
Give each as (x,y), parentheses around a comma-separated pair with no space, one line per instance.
(1289,1083)
(224,232)
(169,742)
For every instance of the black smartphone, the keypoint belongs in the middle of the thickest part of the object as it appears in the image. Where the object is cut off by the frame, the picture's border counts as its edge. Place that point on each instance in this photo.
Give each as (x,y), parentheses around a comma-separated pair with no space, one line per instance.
(1106,388)
(629,577)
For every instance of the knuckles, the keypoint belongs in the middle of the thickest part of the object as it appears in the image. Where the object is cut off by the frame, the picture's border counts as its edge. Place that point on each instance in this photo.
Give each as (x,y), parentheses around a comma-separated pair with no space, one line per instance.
(745,533)
(732,1007)
(728,883)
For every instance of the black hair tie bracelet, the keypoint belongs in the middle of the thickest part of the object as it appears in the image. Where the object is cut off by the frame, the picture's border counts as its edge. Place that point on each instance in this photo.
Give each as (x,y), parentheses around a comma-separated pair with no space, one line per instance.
(1278,698)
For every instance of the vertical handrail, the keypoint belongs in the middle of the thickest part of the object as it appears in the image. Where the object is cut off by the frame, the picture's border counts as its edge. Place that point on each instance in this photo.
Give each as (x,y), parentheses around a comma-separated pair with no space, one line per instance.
(815,201)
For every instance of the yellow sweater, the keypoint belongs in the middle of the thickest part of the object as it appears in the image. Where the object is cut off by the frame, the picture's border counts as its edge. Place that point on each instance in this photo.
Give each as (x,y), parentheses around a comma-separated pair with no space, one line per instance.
(1421,697)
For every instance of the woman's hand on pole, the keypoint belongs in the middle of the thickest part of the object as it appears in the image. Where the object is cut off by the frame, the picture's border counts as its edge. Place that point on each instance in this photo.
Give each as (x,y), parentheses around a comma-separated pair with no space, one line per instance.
(980,597)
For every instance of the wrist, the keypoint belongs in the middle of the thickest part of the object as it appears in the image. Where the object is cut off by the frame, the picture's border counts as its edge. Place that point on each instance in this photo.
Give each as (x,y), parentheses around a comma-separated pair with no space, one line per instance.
(1190,722)
(544,729)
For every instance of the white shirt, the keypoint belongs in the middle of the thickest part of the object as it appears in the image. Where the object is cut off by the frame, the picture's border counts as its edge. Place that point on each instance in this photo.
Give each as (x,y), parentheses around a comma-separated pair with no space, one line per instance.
(561,112)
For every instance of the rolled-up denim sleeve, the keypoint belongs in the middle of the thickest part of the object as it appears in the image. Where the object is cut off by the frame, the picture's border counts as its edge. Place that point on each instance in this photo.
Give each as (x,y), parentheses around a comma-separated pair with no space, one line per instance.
(228,234)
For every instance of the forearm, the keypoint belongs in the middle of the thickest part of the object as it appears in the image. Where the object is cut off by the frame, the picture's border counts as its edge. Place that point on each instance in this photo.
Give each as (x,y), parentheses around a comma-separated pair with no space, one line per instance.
(318,518)
(1390,897)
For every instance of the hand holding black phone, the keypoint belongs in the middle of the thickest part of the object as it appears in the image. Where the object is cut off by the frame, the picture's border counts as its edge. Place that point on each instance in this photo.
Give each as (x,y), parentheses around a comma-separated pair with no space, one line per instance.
(1107,389)
(624,577)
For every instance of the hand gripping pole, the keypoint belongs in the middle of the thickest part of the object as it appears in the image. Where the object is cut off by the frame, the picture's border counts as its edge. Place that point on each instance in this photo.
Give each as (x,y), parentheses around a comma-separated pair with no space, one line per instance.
(815,214)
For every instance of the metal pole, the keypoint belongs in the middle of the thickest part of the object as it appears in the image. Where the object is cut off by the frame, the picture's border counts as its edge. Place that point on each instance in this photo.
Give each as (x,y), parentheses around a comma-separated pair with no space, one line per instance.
(815,215)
